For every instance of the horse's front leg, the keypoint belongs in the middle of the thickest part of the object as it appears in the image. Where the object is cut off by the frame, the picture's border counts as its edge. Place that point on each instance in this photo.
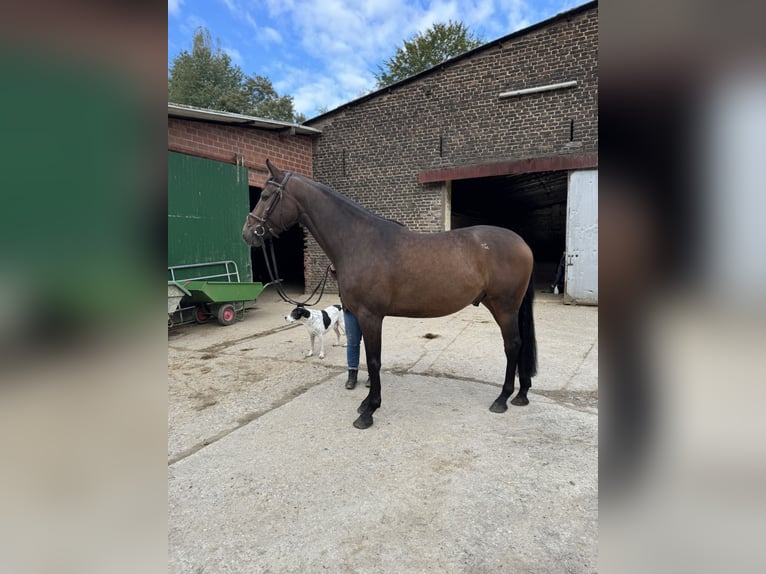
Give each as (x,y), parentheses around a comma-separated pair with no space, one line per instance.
(371,333)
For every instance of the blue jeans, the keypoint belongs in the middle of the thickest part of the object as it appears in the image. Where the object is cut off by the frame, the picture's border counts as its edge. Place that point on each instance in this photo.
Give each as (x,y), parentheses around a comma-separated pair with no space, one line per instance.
(353,340)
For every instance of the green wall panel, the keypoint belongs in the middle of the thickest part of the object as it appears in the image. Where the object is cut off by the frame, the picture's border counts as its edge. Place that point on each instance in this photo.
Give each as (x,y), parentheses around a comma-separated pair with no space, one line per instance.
(207,205)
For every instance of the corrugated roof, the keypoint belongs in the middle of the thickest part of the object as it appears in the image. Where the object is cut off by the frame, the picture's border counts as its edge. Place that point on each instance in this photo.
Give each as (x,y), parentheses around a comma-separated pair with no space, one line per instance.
(190,112)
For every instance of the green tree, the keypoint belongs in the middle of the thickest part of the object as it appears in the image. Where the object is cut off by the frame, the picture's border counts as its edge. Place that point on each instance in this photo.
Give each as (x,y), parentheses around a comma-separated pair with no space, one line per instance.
(206,78)
(262,100)
(425,50)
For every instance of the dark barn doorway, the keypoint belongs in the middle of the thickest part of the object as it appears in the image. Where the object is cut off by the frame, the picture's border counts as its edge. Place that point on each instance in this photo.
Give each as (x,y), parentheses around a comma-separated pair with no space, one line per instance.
(289,253)
(534,205)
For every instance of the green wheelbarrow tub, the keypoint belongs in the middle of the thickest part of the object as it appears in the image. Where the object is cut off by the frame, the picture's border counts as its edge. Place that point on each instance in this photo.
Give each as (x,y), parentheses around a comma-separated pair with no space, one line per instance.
(221,291)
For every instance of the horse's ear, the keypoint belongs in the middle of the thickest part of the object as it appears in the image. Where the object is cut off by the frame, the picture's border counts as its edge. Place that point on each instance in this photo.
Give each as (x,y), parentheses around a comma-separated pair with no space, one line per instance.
(275,172)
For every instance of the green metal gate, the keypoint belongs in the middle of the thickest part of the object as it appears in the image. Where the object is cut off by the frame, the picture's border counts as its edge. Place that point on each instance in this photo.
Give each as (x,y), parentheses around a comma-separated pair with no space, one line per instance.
(207,204)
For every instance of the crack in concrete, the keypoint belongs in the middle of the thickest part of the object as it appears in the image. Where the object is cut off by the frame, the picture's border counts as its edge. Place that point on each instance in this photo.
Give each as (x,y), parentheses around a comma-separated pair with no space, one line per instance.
(579,366)
(439,353)
(581,401)
(439,375)
(231,342)
(248,418)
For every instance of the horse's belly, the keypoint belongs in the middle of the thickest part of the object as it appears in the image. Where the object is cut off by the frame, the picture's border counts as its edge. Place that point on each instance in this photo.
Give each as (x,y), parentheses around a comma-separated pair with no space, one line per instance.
(424,312)
(432,300)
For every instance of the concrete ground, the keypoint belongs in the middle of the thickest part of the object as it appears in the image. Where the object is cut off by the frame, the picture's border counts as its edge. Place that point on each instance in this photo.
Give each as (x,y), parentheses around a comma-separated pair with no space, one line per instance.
(267,474)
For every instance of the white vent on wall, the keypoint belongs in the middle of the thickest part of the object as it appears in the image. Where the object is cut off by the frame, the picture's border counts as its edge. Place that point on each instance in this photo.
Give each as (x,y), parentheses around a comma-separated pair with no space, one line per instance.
(549,87)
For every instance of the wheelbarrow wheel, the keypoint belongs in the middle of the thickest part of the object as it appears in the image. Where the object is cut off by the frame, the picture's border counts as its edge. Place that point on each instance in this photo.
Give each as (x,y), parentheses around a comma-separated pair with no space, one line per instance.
(227,314)
(201,315)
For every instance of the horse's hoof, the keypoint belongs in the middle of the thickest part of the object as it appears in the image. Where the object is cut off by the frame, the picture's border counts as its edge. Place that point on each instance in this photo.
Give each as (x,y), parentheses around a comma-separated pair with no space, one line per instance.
(363,422)
(520,401)
(498,407)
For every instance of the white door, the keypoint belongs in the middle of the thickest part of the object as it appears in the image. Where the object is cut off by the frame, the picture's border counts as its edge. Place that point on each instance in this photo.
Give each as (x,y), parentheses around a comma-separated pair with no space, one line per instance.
(582,238)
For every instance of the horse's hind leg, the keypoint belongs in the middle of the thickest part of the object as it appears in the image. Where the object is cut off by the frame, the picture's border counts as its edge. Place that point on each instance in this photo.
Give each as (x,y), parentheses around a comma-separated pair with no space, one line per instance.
(371,333)
(509,326)
(521,400)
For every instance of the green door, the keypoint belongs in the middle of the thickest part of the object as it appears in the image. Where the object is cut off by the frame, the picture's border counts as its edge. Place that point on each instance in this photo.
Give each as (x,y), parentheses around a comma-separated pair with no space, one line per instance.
(207,205)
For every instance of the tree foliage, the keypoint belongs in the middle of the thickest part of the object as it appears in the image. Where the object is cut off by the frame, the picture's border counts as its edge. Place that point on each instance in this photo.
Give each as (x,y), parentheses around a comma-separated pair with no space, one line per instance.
(425,50)
(206,78)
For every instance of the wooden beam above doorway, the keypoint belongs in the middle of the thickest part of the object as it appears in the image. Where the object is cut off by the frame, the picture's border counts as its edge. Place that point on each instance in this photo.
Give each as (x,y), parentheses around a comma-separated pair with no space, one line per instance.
(552,163)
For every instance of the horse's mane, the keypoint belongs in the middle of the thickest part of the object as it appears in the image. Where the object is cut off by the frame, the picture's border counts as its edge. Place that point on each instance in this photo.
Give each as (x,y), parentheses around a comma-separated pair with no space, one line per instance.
(348,200)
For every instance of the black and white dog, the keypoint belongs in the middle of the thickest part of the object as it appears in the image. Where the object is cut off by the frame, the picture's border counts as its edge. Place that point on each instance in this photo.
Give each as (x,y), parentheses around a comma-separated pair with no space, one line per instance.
(318,324)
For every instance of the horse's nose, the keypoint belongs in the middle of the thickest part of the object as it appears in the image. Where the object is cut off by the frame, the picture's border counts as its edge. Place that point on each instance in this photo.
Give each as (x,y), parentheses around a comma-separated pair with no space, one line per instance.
(250,237)
(247,233)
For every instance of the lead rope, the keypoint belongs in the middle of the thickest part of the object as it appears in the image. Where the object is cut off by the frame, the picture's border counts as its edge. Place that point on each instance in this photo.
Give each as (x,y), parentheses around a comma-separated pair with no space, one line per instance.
(274,274)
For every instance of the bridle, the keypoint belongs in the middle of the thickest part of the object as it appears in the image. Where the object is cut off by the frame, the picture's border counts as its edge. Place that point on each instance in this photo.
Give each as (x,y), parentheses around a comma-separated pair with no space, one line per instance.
(260,228)
(271,265)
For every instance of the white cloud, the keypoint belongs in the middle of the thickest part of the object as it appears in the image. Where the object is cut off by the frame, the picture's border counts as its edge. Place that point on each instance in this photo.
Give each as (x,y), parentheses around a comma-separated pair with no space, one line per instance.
(174,7)
(515,14)
(271,35)
(437,12)
(234,54)
(239,12)
(189,27)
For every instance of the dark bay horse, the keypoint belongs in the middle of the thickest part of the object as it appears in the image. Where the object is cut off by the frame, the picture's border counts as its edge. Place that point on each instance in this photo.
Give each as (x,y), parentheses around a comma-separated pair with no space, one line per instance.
(383,268)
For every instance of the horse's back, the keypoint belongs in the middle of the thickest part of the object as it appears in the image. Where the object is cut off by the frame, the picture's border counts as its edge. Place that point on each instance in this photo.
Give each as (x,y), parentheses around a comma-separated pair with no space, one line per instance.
(502,235)
(493,245)
(477,250)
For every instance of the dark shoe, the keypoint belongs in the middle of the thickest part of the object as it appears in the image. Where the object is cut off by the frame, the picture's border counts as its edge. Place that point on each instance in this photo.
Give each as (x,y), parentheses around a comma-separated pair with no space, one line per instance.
(351,382)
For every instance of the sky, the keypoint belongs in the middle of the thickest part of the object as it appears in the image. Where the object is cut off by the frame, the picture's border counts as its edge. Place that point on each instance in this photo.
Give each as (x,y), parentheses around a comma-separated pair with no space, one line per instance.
(324,53)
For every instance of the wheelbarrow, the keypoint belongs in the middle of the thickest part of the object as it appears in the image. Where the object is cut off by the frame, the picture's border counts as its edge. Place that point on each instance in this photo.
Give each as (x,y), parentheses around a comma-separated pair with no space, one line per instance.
(220,299)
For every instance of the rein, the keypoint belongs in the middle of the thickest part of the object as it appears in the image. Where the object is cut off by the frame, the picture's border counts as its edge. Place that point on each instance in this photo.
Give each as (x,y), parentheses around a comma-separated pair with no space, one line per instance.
(271,263)
(274,274)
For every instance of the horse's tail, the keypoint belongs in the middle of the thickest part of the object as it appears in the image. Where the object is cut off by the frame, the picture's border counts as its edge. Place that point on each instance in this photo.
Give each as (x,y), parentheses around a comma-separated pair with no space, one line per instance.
(528,353)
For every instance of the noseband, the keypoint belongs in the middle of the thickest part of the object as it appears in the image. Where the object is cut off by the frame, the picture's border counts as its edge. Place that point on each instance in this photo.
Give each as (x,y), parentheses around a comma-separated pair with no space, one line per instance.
(260,228)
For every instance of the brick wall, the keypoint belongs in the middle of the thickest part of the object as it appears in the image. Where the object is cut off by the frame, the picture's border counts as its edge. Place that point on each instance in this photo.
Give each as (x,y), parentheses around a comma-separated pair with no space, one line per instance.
(251,146)
(373,149)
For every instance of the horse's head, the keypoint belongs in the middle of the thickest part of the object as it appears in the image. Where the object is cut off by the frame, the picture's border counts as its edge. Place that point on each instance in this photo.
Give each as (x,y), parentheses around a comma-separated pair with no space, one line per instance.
(275,211)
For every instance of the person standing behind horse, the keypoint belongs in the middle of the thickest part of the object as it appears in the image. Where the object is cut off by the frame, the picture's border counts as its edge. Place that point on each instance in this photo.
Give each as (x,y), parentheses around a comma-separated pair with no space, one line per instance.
(353,342)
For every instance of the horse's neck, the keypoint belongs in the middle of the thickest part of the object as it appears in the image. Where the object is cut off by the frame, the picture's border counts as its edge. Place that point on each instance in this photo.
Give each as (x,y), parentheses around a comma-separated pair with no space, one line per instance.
(332,220)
